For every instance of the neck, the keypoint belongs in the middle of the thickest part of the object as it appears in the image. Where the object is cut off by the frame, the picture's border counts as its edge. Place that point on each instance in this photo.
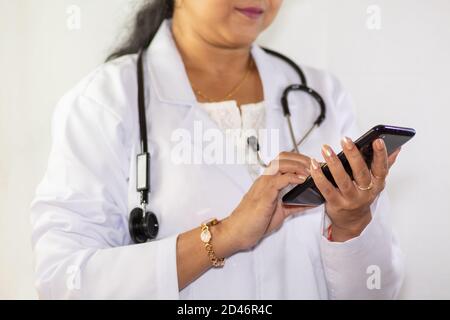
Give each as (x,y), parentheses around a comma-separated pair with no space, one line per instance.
(203,56)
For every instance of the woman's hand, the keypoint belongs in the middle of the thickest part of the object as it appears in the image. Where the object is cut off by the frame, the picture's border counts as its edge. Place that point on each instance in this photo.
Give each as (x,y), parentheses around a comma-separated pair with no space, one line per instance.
(260,211)
(348,206)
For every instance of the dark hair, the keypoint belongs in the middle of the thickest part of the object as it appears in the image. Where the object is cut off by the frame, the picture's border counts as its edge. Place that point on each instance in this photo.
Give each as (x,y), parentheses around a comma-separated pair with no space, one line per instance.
(147,22)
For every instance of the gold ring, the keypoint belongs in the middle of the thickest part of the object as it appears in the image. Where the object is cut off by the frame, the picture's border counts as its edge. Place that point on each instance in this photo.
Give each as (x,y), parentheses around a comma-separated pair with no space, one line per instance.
(370,186)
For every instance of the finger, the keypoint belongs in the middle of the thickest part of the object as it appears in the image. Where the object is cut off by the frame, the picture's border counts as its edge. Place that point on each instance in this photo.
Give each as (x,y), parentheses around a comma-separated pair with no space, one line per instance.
(296,157)
(379,165)
(329,192)
(361,173)
(341,177)
(282,181)
(287,166)
(393,157)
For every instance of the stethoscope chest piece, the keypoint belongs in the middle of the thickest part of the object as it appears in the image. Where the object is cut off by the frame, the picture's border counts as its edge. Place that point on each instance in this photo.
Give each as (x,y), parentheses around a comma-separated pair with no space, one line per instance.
(142,226)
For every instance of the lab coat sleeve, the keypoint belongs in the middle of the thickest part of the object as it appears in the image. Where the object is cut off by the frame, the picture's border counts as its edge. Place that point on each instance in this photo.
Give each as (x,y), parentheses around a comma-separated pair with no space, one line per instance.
(79,215)
(369,266)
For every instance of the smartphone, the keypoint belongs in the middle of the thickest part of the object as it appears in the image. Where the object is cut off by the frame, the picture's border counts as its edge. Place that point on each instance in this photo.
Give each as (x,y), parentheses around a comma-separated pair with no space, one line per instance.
(307,194)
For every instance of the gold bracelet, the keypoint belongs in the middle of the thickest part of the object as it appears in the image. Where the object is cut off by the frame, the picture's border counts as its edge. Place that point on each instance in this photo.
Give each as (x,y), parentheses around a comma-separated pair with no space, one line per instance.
(206,238)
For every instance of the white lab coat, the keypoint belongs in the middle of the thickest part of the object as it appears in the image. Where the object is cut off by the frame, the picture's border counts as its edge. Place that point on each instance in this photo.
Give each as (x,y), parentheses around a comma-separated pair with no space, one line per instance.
(80,213)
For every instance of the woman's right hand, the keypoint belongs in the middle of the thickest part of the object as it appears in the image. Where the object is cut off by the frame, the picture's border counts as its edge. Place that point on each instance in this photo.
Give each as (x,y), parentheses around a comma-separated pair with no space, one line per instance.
(261,211)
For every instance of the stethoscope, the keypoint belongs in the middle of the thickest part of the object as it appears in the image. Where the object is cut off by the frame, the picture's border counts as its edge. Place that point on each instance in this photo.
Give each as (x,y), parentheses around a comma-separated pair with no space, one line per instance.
(144,224)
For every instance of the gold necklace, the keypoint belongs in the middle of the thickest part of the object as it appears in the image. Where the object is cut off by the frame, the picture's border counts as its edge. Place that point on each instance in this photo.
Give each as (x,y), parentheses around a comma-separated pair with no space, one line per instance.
(232,92)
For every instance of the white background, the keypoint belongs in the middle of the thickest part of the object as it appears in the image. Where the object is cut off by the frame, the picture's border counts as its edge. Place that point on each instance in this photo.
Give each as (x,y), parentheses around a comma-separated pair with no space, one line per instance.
(397,75)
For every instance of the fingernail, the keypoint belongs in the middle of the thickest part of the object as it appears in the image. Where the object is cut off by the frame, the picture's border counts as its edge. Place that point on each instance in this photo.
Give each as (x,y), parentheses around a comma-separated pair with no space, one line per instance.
(326,149)
(380,144)
(314,164)
(301,177)
(347,143)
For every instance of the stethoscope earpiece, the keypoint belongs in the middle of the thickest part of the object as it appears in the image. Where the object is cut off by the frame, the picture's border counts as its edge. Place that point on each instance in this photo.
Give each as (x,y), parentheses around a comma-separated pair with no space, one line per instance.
(142,227)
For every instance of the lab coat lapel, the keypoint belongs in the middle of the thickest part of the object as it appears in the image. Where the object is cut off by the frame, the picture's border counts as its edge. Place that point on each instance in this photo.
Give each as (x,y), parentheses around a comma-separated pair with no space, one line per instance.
(172,86)
(167,71)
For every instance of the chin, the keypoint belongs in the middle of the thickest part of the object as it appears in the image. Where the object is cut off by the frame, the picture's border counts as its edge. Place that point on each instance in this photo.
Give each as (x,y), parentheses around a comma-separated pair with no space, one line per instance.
(244,40)
(243,44)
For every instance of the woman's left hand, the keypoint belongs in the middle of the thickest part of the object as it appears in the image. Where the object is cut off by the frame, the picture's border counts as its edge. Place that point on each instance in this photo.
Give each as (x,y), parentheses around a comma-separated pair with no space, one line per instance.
(348,206)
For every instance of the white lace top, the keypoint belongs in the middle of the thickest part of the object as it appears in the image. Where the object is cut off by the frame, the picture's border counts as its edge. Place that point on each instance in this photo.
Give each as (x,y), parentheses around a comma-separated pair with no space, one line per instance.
(239,124)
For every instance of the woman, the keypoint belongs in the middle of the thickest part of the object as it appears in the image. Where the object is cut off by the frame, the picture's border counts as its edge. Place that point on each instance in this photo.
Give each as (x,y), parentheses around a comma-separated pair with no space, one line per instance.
(203,68)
